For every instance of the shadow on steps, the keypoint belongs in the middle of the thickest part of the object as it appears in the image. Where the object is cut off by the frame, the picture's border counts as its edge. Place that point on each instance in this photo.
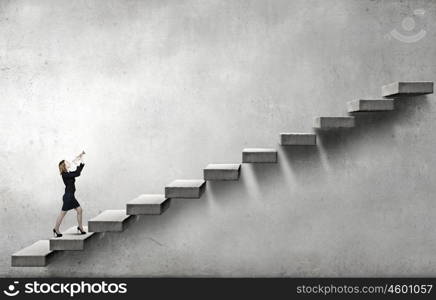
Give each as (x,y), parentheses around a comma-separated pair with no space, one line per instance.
(301,164)
(370,127)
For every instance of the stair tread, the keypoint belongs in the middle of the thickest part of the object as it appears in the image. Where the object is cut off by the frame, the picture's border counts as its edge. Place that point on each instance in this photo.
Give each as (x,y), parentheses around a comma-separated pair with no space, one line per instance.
(186,183)
(298,133)
(223,167)
(336,118)
(39,248)
(111,215)
(371,99)
(148,199)
(185,188)
(368,105)
(259,150)
(72,234)
(219,172)
(259,155)
(148,204)
(399,88)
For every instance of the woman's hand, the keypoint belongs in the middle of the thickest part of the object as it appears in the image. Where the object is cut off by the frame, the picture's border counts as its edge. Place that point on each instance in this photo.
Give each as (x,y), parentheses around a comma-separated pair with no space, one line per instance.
(79,158)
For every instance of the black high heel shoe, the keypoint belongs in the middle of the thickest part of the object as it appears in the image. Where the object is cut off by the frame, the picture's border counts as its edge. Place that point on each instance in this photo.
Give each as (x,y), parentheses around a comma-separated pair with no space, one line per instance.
(80,230)
(56,234)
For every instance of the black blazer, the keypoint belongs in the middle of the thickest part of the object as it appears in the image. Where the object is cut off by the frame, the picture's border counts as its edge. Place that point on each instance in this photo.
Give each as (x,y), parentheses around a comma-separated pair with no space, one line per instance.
(69,179)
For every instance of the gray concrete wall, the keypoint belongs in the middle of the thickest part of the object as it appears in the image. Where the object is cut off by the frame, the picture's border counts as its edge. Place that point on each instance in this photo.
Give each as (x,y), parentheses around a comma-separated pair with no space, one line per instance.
(156,90)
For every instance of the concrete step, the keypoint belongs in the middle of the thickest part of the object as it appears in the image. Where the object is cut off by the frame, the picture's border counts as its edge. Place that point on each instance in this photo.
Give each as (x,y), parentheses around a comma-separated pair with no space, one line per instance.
(259,155)
(186,188)
(148,205)
(333,122)
(297,139)
(71,240)
(36,255)
(214,172)
(109,220)
(366,105)
(407,88)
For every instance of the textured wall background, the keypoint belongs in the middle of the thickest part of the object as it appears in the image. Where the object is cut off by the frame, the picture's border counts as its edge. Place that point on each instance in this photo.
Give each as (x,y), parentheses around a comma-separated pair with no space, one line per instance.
(155,90)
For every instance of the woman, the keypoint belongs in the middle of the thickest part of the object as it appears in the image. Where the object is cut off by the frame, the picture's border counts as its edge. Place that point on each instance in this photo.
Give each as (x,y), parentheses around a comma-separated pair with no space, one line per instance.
(70,202)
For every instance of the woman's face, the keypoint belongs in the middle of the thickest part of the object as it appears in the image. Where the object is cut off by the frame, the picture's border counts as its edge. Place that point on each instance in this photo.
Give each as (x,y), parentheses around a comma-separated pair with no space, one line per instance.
(67,164)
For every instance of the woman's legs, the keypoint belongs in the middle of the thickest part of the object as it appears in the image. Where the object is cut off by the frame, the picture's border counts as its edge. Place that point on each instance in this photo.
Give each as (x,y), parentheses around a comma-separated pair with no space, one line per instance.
(79,211)
(59,220)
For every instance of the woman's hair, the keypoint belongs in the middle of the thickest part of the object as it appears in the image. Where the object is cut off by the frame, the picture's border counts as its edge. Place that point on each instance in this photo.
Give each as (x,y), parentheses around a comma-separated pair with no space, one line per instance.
(62,167)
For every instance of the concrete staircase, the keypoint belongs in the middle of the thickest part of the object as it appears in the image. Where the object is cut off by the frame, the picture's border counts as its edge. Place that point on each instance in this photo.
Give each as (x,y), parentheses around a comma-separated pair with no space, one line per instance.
(40,253)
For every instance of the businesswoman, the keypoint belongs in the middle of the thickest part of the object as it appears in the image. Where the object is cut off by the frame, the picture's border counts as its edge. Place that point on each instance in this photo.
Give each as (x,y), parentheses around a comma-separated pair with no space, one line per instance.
(70,201)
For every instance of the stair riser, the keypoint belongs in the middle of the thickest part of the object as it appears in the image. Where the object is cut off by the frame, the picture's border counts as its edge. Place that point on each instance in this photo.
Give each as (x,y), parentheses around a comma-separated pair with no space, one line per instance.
(36,255)
(184,192)
(76,245)
(217,175)
(31,261)
(298,140)
(334,123)
(267,157)
(149,209)
(99,226)
(67,245)
(368,106)
(407,89)
(106,226)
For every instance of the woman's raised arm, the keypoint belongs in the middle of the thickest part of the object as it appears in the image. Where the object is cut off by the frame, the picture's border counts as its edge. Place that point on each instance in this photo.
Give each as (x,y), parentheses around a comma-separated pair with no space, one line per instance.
(75,173)
(79,158)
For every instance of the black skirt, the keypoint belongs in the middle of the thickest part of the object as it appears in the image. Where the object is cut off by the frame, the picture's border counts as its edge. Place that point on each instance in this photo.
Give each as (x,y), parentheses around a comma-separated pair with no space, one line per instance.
(70,202)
